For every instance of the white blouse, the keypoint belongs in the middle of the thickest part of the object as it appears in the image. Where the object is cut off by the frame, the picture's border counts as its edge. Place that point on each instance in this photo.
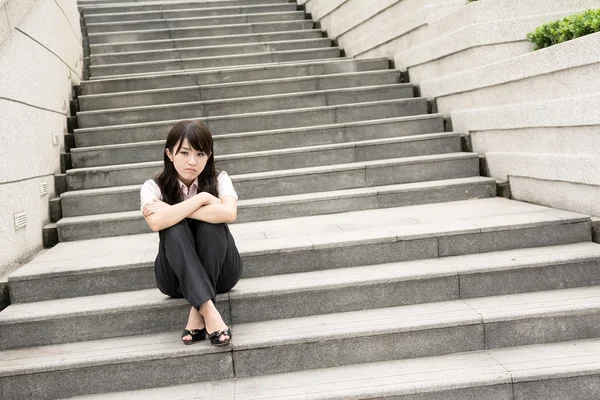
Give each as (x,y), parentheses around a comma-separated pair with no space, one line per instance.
(150,189)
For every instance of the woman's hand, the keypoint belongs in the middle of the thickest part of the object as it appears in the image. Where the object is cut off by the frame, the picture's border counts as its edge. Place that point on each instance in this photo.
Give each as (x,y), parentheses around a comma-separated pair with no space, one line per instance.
(209,198)
(154,207)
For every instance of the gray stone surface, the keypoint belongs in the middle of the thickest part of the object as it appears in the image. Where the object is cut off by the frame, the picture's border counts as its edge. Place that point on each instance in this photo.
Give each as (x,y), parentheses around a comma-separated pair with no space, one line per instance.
(360,349)
(199,31)
(99,49)
(567,369)
(572,388)
(195,51)
(262,121)
(94,317)
(242,105)
(265,140)
(105,7)
(233,74)
(171,23)
(188,12)
(237,89)
(121,375)
(214,62)
(416,151)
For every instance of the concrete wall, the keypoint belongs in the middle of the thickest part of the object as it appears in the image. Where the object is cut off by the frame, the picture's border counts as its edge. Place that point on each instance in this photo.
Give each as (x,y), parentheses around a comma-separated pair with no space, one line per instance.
(533,114)
(40,59)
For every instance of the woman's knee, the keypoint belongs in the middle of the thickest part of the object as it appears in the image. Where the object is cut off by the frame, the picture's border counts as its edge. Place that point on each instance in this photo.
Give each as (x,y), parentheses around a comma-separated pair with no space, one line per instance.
(178,230)
(205,229)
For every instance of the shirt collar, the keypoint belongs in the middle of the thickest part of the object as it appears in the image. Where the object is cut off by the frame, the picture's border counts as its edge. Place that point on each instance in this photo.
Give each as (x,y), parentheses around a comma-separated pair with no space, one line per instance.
(184,188)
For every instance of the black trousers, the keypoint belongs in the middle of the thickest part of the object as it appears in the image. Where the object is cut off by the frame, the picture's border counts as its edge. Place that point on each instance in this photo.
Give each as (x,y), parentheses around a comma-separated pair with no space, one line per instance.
(197,260)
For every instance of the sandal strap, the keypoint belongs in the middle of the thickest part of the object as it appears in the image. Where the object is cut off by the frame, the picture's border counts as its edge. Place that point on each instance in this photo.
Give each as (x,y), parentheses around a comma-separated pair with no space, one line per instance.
(217,334)
(193,332)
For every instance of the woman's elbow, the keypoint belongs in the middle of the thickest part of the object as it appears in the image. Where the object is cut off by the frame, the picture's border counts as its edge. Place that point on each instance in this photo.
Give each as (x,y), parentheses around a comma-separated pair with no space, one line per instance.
(232,216)
(153,224)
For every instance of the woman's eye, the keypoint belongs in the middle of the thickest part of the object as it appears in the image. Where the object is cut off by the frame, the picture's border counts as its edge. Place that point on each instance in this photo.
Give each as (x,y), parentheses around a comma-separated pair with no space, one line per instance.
(185,153)
(201,154)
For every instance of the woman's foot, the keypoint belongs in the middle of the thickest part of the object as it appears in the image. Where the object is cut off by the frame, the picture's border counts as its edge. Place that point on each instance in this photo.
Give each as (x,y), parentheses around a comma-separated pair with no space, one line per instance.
(194,327)
(217,330)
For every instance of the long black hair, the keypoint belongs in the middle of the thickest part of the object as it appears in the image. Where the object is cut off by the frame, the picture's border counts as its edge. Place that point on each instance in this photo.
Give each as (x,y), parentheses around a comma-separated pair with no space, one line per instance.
(199,137)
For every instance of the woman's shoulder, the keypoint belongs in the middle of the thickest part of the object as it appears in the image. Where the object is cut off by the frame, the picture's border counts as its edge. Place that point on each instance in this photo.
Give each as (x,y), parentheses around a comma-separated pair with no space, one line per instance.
(225,186)
(150,183)
(223,177)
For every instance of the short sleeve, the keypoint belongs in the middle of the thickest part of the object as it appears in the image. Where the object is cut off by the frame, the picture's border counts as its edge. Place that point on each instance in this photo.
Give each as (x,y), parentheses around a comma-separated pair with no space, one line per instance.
(149,191)
(225,186)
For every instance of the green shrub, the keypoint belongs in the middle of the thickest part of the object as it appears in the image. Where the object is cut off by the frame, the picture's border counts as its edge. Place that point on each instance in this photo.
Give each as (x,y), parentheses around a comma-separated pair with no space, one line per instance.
(568,28)
(470,1)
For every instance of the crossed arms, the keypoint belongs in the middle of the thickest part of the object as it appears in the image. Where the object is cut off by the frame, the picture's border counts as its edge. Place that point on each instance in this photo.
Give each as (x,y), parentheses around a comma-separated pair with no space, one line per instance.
(203,206)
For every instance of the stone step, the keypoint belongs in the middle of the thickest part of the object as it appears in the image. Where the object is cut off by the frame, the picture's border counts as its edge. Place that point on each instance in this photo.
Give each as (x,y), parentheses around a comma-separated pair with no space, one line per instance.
(88,8)
(199,31)
(215,62)
(212,21)
(131,222)
(123,203)
(298,344)
(564,370)
(97,49)
(276,160)
(126,198)
(231,75)
(223,91)
(261,121)
(422,282)
(85,157)
(243,105)
(277,248)
(371,165)
(188,13)
(288,207)
(365,237)
(208,51)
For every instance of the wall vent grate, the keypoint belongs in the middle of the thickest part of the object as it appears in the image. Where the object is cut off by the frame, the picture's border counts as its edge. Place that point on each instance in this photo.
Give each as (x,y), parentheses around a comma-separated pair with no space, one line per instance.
(20,220)
(43,189)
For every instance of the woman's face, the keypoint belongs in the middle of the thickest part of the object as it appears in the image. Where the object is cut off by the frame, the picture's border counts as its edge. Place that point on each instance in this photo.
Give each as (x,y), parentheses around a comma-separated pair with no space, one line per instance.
(188,162)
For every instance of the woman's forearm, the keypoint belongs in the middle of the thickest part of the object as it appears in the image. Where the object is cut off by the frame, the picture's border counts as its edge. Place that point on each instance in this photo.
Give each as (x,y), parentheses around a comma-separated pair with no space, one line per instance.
(215,213)
(172,215)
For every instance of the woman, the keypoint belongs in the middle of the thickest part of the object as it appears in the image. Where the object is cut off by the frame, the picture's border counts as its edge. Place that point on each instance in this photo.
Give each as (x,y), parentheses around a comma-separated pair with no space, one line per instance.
(189,203)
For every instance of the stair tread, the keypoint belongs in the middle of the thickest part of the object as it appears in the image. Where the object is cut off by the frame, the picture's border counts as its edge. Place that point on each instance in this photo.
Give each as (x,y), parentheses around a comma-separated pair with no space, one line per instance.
(216,138)
(240,83)
(229,69)
(230,16)
(205,9)
(268,286)
(295,234)
(236,45)
(401,377)
(289,150)
(578,301)
(254,114)
(227,56)
(233,68)
(175,40)
(244,99)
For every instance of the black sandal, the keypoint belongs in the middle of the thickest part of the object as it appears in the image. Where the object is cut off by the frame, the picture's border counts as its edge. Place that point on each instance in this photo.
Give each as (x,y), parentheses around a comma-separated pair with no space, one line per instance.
(214,337)
(196,334)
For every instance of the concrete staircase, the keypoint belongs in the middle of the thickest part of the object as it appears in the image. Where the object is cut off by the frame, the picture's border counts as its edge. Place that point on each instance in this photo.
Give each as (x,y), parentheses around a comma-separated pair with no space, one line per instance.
(378,263)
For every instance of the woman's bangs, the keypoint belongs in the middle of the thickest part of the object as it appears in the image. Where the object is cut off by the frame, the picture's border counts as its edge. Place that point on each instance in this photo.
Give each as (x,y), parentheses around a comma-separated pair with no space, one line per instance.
(195,139)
